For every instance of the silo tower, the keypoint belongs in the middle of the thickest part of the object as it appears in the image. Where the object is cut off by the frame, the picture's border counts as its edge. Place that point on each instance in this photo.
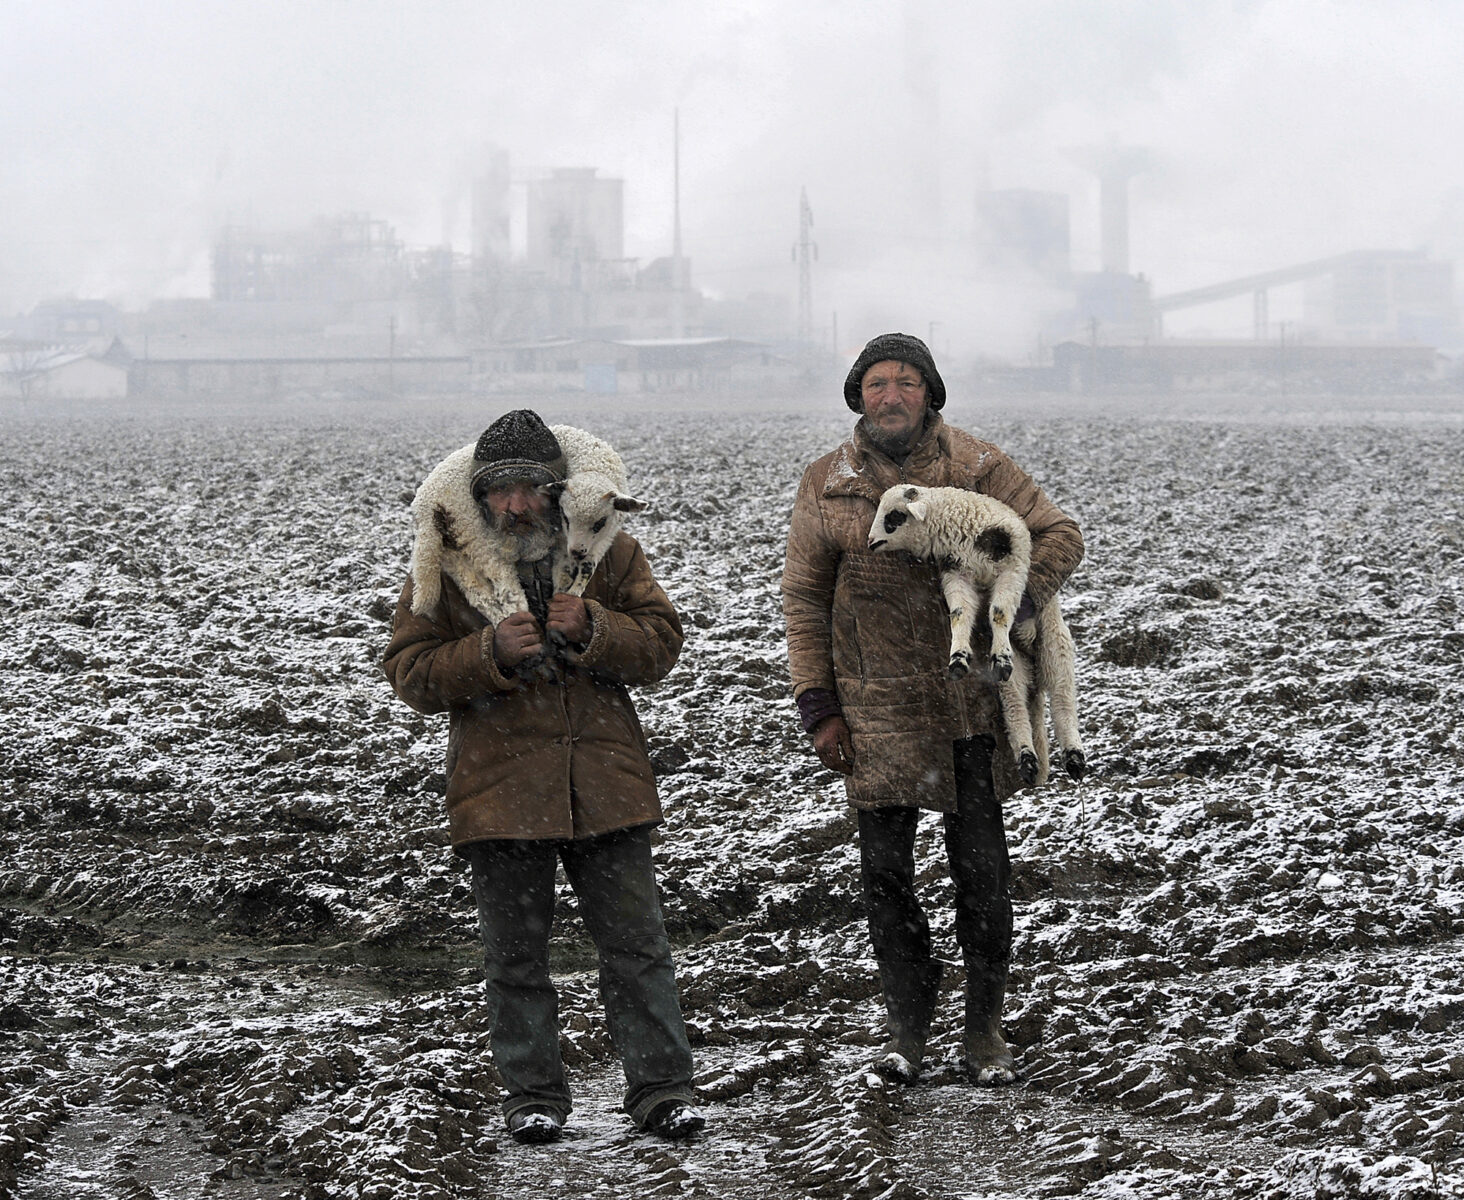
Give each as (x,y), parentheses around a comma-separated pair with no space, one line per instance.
(1114,165)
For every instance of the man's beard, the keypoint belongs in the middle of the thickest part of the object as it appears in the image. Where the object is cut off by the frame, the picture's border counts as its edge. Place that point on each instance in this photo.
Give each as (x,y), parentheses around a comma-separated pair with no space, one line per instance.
(534,537)
(893,444)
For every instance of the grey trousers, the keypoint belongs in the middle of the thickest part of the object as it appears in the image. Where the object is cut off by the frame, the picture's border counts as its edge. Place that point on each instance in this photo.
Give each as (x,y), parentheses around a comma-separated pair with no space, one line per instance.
(513,882)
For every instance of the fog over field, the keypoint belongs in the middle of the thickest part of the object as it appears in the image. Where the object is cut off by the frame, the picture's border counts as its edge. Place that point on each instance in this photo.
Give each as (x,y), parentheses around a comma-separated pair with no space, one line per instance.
(1276,132)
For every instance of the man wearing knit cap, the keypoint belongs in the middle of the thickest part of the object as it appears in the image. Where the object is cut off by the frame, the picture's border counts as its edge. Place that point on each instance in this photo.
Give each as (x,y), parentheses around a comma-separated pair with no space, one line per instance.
(547,764)
(868,642)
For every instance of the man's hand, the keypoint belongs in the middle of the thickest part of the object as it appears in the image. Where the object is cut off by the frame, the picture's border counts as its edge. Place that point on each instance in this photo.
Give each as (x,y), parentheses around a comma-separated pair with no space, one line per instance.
(569,620)
(516,639)
(834,745)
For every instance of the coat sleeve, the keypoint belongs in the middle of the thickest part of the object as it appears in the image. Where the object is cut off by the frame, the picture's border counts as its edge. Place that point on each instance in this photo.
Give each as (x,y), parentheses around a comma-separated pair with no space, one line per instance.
(810,569)
(1057,543)
(433,667)
(636,633)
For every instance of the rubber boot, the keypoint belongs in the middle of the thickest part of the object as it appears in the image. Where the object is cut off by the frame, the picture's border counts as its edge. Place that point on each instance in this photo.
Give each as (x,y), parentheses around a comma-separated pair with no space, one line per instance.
(911,992)
(989,1059)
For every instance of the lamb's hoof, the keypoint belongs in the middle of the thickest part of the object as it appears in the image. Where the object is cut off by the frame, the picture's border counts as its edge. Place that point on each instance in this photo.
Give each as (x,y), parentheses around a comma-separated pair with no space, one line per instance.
(1001,667)
(1027,767)
(558,638)
(1075,763)
(959,666)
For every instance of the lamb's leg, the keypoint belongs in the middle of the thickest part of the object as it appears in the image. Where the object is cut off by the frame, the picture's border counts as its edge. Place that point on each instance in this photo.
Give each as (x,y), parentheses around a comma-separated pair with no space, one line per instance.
(581,579)
(1056,674)
(1037,714)
(963,600)
(1017,718)
(509,598)
(1006,596)
(574,585)
(571,576)
(564,572)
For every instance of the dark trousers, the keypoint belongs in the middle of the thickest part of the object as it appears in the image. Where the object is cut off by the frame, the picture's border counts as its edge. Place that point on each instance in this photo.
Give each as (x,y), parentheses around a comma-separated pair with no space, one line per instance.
(612,875)
(976,847)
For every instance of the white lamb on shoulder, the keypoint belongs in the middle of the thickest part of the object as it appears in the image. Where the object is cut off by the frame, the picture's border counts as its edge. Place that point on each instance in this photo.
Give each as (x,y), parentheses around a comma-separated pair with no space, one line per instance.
(592,504)
(981,545)
(453,537)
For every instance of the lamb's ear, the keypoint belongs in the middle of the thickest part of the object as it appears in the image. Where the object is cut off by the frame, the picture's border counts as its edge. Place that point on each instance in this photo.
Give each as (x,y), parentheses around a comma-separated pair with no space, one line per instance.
(553,489)
(918,509)
(624,503)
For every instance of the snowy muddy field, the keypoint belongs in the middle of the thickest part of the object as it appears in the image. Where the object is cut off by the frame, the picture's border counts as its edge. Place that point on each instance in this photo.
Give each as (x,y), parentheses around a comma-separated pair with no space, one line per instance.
(238,960)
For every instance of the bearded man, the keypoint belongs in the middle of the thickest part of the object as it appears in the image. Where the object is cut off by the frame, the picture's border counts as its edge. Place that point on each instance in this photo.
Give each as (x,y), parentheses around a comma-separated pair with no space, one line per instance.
(547,764)
(868,642)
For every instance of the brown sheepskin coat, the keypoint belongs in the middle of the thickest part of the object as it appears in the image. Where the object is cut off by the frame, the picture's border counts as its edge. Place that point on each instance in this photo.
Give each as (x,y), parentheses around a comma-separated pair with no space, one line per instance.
(874,627)
(545,759)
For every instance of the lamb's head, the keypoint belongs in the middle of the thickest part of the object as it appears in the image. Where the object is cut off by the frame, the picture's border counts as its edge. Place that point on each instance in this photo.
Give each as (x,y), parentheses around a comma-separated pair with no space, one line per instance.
(900,521)
(593,509)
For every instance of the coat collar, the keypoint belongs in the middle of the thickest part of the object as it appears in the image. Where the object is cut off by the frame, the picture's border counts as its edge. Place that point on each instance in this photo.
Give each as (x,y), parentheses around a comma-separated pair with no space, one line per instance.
(860,468)
(452,538)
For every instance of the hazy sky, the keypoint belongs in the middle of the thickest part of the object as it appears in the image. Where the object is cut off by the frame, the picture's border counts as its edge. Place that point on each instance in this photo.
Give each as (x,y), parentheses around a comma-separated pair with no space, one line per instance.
(1280,130)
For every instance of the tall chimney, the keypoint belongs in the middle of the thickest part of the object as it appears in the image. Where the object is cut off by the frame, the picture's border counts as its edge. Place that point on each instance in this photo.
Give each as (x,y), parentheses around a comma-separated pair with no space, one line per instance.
(1114,165)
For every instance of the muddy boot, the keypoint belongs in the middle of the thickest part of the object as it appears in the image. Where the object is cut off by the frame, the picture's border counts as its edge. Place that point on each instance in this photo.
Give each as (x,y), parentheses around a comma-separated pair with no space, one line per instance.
(911,991)
(989,1059)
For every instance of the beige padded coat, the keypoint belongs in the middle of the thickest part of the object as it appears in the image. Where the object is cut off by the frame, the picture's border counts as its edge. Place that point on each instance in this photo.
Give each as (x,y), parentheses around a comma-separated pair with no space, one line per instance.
(874,627)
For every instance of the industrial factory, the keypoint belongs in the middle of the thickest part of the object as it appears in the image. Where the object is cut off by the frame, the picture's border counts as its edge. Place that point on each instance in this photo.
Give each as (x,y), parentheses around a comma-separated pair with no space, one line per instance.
(1371,318)
(547,299)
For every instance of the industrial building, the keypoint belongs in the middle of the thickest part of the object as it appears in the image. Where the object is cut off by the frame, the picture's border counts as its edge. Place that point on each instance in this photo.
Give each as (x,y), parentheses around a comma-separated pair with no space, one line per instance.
(29,372)
(342,303)
(608,367)
(1225,365)
(1372,318)
(1378,295)
(262,376)
(576,228)
(334,261)
(575,280)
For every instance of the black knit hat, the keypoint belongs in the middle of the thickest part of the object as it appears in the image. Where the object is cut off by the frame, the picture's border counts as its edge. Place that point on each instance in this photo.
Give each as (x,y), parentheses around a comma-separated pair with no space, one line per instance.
(896,347)
(517,446)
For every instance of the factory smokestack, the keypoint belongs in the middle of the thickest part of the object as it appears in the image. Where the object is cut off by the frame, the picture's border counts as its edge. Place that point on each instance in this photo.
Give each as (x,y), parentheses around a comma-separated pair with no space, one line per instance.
(1114,165)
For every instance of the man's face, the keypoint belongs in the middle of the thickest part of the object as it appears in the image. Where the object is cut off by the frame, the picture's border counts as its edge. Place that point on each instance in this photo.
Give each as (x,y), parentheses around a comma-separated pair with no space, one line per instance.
(517,506)
(895,399)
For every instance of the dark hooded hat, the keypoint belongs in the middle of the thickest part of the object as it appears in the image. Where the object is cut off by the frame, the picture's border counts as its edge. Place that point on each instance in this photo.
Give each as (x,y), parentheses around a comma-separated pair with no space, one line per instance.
(517,446)
(896,347)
